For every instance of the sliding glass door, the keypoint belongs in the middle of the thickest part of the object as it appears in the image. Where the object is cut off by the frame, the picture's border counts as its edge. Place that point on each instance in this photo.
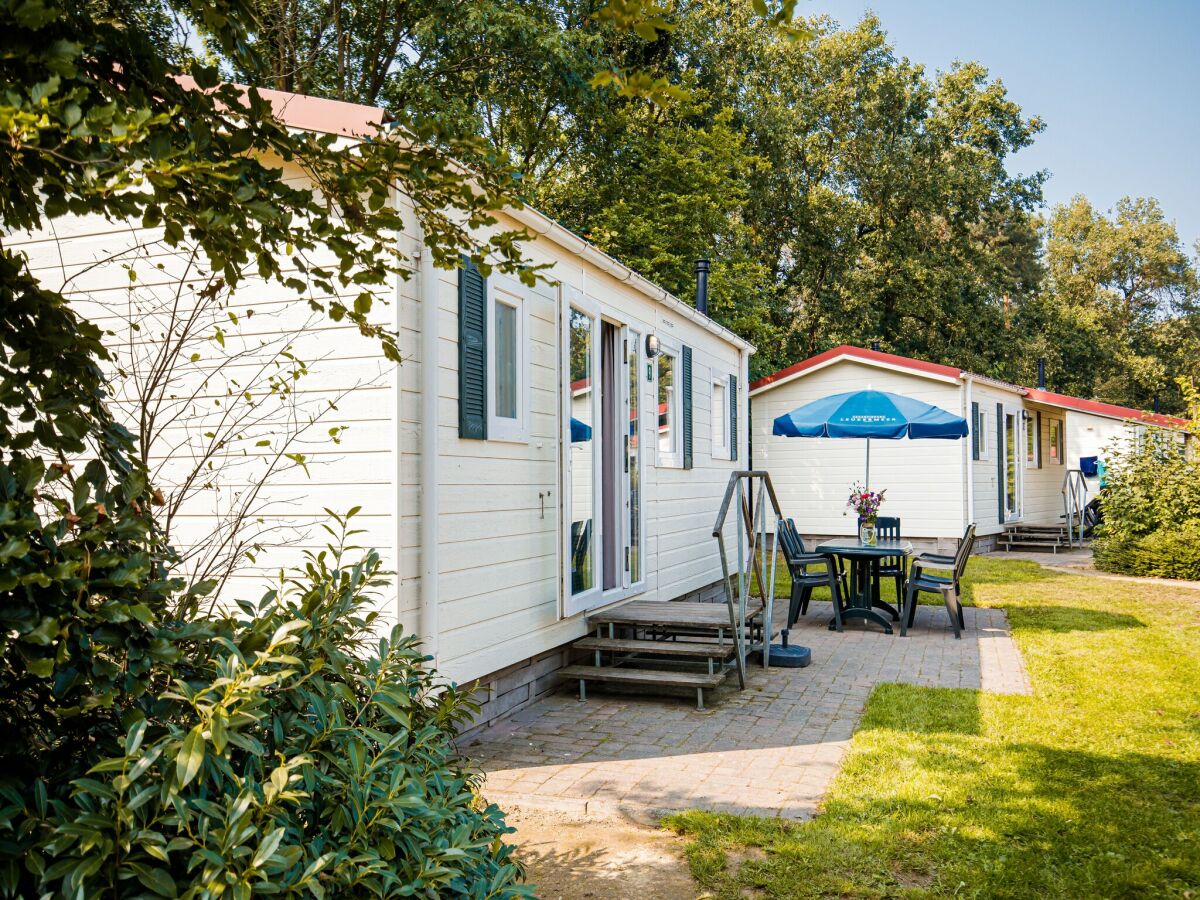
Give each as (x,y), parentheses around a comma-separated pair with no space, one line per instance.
(602,458)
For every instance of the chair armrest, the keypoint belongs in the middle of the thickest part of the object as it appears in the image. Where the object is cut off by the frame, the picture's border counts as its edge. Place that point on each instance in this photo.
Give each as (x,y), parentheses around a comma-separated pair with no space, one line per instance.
(935,560)
(810,559)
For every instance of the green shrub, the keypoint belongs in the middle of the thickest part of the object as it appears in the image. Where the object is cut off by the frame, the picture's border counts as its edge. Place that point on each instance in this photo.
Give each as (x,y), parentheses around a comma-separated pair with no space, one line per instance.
(1151,506)
(290,755)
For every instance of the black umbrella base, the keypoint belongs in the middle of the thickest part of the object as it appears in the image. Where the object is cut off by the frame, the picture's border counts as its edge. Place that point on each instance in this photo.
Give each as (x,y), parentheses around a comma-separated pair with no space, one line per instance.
(790,657)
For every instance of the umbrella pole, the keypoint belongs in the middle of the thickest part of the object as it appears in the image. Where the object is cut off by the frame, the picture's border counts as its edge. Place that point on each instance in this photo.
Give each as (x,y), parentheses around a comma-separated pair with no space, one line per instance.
(868,464)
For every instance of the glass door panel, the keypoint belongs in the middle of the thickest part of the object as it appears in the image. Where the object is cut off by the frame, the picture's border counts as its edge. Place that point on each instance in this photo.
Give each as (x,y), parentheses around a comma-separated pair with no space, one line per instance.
(633,456)
(582,459)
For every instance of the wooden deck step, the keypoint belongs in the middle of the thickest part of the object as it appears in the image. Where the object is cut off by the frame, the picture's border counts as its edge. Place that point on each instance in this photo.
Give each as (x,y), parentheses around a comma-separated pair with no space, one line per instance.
(708,616)
(689,649)
(700,681)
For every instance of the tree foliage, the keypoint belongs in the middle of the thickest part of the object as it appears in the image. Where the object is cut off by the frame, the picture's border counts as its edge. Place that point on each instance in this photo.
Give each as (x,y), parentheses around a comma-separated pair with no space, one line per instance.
(100,117)
(295,754)
(1118,316)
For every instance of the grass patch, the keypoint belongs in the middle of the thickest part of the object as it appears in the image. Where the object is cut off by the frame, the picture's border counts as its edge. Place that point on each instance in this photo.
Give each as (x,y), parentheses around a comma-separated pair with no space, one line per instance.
(1089,788)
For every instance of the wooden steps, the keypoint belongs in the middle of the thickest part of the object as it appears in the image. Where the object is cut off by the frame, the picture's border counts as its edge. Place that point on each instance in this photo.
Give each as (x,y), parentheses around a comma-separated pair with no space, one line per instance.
(1035,537)
(656,678)
(688,649)
(673,614)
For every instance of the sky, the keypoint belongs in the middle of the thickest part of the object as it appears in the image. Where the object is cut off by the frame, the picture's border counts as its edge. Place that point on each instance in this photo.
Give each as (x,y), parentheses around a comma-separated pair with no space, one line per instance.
(1117,85)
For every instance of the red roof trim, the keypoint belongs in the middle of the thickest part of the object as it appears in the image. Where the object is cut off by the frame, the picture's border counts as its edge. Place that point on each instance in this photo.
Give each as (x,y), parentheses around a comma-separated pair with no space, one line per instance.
(1049,398)
(1103,409)
(316,113)
(861,353)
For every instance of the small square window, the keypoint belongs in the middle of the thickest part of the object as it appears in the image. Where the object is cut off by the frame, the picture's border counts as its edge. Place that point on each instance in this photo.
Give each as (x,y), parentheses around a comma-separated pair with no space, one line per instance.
(1031,441)
(508,380)
(720,419)
(1056,446)
(981,428)
(668,409)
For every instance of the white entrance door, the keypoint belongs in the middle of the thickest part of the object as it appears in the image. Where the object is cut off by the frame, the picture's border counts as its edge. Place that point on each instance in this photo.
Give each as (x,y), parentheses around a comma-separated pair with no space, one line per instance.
(1014,469)
(602,459)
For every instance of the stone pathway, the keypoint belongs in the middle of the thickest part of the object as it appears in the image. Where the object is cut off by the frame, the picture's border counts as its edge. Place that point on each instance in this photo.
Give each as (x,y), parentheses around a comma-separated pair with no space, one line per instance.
(770,750)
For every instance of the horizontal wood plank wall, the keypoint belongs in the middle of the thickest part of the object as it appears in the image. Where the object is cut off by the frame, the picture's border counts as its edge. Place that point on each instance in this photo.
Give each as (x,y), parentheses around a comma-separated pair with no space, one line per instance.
(987,506)
(87,257)
(812,476)
(500,564)
(499,559)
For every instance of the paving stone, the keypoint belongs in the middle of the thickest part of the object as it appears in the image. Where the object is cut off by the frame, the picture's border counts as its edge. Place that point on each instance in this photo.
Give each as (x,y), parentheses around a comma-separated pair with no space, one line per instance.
(771,750)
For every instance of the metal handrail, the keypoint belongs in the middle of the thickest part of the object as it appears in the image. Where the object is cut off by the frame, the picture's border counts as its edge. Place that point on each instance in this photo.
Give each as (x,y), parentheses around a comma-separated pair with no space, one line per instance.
(753,492)
(1074,491)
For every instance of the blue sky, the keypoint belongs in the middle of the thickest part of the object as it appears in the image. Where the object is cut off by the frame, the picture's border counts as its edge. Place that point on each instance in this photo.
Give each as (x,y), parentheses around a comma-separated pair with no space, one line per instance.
(1117,84)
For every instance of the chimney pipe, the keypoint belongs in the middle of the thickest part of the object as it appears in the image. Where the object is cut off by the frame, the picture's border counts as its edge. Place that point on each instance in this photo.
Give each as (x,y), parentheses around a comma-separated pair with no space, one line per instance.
(875,346)
(702,286)
(1041,373)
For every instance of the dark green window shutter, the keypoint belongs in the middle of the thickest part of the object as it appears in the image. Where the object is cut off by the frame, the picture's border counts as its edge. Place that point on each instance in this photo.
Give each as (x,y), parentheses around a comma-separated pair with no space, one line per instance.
(686,399)
(733,417)
(1039,439)
(472,352)
(1000,450)
(975,435)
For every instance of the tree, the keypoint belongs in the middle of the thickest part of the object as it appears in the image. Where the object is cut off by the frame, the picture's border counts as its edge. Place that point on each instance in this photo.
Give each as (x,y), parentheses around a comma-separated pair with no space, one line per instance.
(97,118)
(1118,316)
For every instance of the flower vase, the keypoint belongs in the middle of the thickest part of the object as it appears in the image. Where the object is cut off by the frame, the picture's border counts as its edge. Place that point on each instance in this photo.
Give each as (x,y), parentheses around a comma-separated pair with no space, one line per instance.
(866,531)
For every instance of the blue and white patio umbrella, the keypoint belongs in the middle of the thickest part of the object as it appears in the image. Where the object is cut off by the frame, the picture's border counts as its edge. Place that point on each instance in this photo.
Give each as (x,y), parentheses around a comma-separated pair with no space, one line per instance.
(870,414)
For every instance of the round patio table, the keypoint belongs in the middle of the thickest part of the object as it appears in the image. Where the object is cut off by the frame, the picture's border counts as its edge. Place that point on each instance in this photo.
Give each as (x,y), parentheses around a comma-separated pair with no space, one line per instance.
(864,576)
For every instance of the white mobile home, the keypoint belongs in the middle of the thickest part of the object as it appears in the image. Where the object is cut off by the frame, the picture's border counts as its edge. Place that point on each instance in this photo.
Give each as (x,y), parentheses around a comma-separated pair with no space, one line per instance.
(532,459)
(1009,472)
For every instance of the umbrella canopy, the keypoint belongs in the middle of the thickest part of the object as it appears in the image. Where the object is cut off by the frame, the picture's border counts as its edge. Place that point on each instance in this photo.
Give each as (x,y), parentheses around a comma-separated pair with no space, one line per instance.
(870,414)
(580,431)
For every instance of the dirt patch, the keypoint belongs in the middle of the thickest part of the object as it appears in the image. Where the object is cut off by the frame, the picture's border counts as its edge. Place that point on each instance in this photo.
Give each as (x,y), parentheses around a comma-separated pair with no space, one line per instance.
(571,858)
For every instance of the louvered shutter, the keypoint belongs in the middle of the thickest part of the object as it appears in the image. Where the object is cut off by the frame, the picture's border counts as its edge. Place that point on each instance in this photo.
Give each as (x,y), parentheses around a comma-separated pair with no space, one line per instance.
(472,352)
(1039,439)
(686,399)
(975,435)
(1001,449)
(733,437)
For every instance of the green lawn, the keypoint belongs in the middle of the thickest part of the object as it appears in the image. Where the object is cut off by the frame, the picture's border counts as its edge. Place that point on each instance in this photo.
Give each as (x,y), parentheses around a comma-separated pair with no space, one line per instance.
(1089,788)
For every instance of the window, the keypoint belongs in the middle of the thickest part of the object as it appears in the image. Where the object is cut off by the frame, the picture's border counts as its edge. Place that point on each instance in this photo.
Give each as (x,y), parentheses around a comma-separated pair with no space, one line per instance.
(981,434)
(720,418)
(1031,441)
(1056,447)
(668,409)
(507,385)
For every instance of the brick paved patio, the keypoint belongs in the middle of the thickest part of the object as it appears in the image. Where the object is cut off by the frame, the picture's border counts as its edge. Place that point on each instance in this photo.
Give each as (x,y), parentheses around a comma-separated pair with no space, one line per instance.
(770,750)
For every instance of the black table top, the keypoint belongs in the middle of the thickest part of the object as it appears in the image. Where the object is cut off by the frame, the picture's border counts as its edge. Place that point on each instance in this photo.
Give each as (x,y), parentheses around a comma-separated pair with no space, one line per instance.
(852,546)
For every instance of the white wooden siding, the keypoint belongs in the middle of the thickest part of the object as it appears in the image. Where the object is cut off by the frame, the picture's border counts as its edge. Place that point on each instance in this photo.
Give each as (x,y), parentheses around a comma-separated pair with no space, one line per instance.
(87,257)
(499,584)
(812,476)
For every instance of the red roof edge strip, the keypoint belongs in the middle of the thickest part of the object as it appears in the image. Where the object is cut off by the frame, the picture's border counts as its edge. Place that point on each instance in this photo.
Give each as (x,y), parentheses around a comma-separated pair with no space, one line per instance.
(861,353)
(315,113)
(1104,409)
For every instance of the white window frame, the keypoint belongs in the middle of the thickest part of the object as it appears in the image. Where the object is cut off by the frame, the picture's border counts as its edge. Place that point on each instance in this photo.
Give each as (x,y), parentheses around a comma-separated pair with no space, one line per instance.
(1031,452)
(1062,438)
(984,431)
(719,416)
(509,291)
(673,458)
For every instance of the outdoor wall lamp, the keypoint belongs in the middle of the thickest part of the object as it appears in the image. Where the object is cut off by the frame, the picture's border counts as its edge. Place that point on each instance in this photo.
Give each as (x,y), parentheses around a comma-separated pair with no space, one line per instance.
(651,346)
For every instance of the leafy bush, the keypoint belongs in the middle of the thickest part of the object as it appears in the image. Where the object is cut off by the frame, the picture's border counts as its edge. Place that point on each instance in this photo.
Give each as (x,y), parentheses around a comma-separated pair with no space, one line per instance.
(284,758)
(1151,508)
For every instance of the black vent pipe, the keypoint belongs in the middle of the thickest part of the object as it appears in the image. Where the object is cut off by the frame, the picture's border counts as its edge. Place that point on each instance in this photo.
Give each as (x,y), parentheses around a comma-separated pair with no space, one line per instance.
(875,346)
(1041,373)
(702,286)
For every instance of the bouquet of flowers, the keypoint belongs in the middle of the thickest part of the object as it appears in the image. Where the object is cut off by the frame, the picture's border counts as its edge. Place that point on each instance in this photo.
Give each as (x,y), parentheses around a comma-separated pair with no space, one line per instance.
(865,503)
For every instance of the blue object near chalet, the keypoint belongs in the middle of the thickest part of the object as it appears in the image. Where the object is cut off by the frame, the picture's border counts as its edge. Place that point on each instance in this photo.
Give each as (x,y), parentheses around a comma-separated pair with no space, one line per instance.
(870,414)
(580,431)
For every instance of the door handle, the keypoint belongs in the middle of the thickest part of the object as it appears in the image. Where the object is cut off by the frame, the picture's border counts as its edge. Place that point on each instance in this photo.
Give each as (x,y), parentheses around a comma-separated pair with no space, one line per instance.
(626,454)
